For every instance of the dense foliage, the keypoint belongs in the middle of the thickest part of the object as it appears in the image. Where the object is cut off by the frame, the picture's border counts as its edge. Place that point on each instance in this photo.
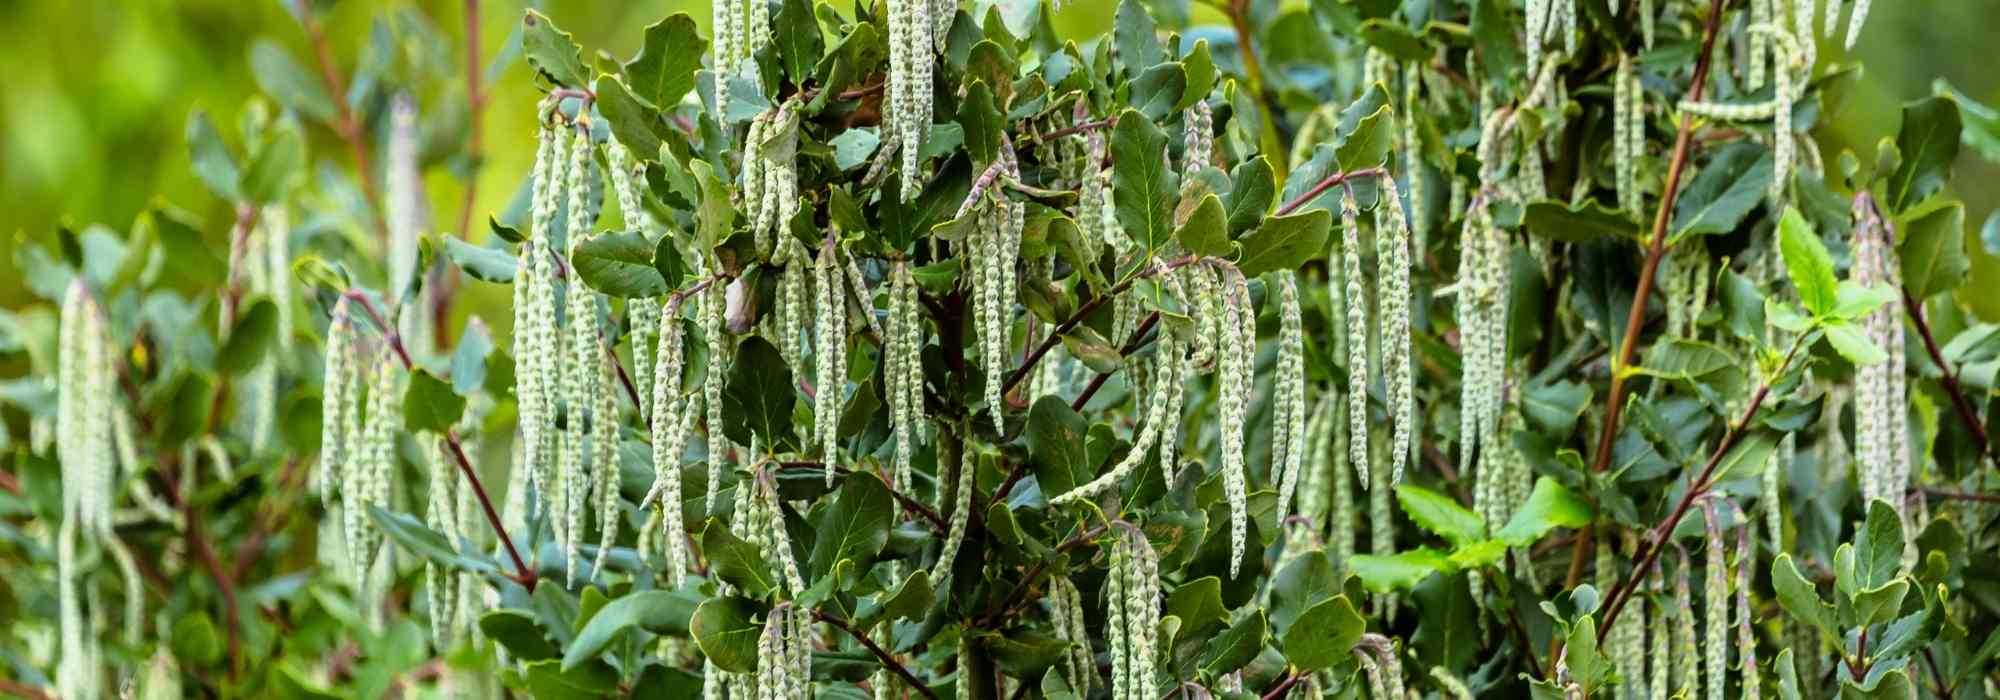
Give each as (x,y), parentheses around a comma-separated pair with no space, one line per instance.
(907,350)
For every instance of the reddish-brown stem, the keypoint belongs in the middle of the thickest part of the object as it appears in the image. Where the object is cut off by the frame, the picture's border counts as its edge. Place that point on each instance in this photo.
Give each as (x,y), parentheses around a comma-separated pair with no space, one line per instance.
(1020,592)
(1132,345)
(262,527)
(344,121)
(475,101)
(1084,311)
(1656,540)
(18,689)
(888,659)
(205,552)
(525,575)
(1656,249)
(1284,687)
(1944,495)
(1948,378)
(1104,123)
(9,483)
(1320,188)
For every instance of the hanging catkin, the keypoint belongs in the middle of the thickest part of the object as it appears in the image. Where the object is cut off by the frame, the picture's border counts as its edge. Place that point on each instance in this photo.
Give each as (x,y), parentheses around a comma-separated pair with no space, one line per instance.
(1881,450)
(910,67)
(1132,594)
(1393,246)
(829,356)
(1233,381)
(711,311)
(1355,299)
(903,371)
(961,513)
(1288,407)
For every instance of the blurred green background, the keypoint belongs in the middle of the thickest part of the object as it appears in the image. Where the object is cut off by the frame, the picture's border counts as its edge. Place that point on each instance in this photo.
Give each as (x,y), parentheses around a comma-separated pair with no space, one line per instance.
(99,91)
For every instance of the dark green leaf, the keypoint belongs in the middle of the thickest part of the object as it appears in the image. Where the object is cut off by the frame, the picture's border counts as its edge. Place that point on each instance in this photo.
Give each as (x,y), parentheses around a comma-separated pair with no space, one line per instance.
(796,32)
(1234,648)
(1724,191)
(517,632)
(760,395)
(1928,142)
(663,70)
(737,562)
(1206,231)
(1555,408)
(855,526)
(1585,221)
(424,542)
(1933,252)
(1055,436)
(979,115)
(1285,242)
(1136,37)
(1198,604)
(1324,635)
(250,338)
(1143,191)
(662,612)
(1252,190)
(727,634)
(1158,89)
(619,264)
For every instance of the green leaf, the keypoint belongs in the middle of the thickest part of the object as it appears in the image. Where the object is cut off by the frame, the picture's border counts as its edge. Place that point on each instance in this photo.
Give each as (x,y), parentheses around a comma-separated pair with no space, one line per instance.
(1878,547)
(1587,666)
(667,261)
(1440,515)
(760,395)
(1891,684)
(1252,191)
(1285,242)
(1235,647)
(1724,191)
(619,264)
(1158,89)
(429,404)
(1136,38)
(1395,40)
(1928,142)
(727,634)
(1786,316)
(214,165)
(796,32)
(660,612)
(1367,129)
(855,526)
(663,71)
(1853,344)
(480,263)
(278,165)
(1555,408)
(424,542)
(1323,637)
(1550,506)
(288,82)
(1799,598)
(255,330)
(1199,67)
(1586,220)
(1056,442)
(1198,604)
(1807,262)
(909,600)
(1206,231)
(635,124)
(1400,571)
(516,631)
(1933,252)
(1448,632)
(1143,191)
(736,562)
(1856,301)
(1092,349)
(1878,605)
(552,51)
(547,681)
(1788,676)
(979,115)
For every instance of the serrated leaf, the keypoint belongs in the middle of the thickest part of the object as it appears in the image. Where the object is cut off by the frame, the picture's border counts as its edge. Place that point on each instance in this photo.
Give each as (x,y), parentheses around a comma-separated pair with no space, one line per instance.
(663,71)
(1853,344)
(1440,515)
(1807,263)
(552,51)
(1549,506)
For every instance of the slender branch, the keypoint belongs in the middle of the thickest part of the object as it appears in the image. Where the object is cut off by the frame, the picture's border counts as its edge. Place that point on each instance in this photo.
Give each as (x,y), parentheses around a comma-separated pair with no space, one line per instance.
(19,689)
(344,121)
(1137,339)
(1084,311)
(1942,689)
(887,659)
(1656,249)
(475,102)
(1020,592)
(1104,123)
(525,575)
(1656,540)
(909,504)
(1284,687)
(1949,379)
(1320,188)
(1944,495)
(205,552)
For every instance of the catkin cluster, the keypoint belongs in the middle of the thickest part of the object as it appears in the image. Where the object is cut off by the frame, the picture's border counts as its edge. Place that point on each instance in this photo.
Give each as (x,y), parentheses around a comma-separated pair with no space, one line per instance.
(1132,594)
(1546,19)
(771,173)
(1236,364)
(85,404)
(1289,431)
(761,522)
(741,28)
(1484,262)
(1881,432)
(1079,667)
(903,370)
(994,251)
(1162,416)
(1392,240)
(911,63)
(713,304)
(1355,299)
(961,513)
(784,654)
(829,355)
(674,410)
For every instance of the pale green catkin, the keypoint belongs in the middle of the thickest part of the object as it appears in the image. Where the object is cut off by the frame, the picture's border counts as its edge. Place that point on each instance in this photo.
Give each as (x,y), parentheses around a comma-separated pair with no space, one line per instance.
(1233,382)
(1688,652)
(911,63)
(1715,603)
(1393,246)
(1659,654)
(1133,594)
(1881,450)
(829,357)
(1170,364)
(1355,299)
(712,306)
(1288,422)
(1449,685)
(961,513)
(1066,617)
(1746,635)
(672,409)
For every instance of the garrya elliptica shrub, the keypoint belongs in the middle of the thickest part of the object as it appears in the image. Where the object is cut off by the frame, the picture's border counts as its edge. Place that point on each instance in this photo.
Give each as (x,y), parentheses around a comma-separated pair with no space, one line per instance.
(915,349)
